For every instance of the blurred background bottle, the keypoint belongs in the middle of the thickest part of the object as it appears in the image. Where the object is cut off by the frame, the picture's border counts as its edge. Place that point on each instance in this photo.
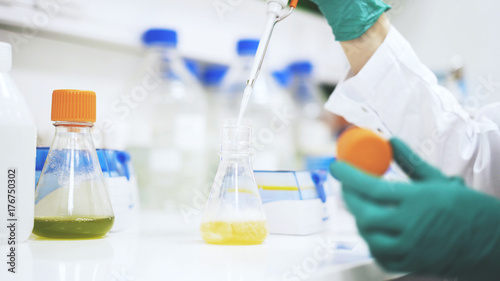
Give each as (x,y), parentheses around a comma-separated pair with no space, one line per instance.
(271,110)
(168,132)
(212,78)
(314,134)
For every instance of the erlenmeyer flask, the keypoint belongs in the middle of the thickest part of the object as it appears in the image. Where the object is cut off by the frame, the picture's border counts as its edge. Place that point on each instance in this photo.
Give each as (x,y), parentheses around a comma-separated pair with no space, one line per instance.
(234,214)
(71,200)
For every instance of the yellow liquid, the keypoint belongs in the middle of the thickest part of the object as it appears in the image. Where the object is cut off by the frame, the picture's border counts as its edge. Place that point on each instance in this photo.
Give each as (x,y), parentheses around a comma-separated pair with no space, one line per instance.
(234,233)
(72,227)
(286,188)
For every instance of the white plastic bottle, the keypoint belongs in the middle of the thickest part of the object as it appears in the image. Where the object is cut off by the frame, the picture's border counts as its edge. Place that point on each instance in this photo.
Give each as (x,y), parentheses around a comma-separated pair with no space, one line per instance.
(17,159)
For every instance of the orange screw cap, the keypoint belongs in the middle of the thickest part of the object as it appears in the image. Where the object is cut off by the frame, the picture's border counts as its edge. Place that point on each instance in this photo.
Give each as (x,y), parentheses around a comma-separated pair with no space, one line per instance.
(73,106)
(365,150)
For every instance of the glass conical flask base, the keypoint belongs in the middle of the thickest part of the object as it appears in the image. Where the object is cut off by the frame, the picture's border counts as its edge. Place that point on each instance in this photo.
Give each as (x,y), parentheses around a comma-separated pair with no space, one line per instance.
(70,227)
(234,232)
(234,214)
(71,198)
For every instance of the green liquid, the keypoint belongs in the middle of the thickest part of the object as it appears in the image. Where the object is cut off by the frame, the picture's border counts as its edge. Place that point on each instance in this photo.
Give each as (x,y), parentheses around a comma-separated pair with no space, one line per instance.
(74,227)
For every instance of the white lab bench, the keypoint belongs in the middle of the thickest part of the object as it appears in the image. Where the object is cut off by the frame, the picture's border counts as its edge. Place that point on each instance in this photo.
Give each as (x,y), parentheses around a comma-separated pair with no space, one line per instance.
(168,247)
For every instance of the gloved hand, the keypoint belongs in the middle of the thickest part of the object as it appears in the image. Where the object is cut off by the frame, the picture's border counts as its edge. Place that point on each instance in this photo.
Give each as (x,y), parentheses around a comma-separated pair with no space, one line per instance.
(350,19)
(431,225)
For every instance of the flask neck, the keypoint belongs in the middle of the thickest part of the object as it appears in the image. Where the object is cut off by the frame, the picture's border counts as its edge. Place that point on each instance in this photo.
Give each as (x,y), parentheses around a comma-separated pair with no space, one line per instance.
(73,136)
(231,157)
(73,127)
(233,151)
(236,142)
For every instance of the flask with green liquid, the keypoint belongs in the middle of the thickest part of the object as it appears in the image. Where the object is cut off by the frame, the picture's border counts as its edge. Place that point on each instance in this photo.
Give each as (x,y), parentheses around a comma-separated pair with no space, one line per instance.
(71,201)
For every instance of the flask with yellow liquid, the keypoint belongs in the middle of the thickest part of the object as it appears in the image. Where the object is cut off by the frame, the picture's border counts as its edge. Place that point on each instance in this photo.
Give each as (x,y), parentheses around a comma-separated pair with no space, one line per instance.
(234,214)
(71,201)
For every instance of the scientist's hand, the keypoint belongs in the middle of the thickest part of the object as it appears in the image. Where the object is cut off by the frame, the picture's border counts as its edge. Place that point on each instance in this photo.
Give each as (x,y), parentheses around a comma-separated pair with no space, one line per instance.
(350,19)
(432,225)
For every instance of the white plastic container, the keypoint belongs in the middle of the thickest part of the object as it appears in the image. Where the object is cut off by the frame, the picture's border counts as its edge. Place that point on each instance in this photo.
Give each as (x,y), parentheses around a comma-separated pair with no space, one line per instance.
(121,184)
(297,202)
(17,160)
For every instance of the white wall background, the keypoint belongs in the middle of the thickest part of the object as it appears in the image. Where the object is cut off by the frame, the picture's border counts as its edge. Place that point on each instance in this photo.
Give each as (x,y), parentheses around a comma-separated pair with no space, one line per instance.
(208,29)
(94,44)
(440,30)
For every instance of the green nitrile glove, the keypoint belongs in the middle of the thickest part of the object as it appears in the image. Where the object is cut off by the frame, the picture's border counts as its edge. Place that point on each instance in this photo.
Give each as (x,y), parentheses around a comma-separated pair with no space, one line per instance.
(432,225)
(350,19)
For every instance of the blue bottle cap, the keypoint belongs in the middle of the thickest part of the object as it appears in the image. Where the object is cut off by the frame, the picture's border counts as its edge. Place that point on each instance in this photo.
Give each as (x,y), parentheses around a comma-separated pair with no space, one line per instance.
(41,156)
(301,67)
(194,68)
(160,36)
(247,47)
(319,163)
(283,77)
(214,74)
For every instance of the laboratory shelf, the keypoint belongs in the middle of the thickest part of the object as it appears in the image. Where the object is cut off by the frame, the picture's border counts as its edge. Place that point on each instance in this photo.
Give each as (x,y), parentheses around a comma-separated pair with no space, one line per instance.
(169,247)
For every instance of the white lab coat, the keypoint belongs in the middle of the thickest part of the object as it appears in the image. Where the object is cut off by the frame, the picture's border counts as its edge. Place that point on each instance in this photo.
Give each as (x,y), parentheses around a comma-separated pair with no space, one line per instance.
(397,95)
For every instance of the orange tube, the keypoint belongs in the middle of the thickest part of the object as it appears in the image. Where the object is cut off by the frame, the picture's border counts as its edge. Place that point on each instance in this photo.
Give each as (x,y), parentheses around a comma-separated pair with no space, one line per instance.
(293,3)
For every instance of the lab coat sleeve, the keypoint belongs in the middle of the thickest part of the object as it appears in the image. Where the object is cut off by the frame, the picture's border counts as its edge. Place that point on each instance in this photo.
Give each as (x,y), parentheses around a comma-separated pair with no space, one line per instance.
(397,95)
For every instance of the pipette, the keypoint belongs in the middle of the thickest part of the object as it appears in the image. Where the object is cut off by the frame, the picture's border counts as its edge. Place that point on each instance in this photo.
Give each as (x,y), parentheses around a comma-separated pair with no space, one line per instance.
(275,13)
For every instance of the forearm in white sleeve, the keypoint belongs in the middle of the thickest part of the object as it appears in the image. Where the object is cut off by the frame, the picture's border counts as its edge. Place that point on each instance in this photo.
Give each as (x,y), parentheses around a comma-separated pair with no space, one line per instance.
(397,95)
